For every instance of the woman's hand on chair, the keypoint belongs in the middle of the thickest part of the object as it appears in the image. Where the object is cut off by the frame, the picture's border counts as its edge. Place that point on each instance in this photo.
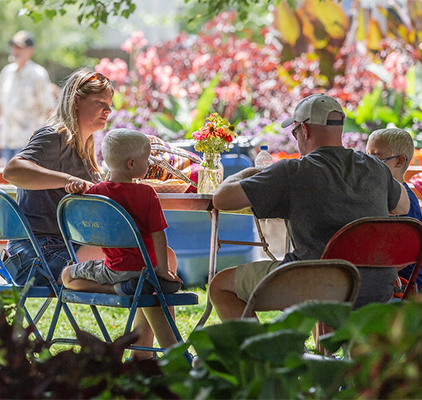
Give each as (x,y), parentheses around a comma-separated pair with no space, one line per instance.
(77,186)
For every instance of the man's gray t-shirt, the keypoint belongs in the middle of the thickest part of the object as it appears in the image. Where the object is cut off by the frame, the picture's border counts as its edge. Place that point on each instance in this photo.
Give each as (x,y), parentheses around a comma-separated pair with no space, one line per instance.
(48,149)
(322,192)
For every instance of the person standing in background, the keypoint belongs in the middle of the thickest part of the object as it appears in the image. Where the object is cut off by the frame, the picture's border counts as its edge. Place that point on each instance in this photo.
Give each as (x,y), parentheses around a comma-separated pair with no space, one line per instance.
(26,98)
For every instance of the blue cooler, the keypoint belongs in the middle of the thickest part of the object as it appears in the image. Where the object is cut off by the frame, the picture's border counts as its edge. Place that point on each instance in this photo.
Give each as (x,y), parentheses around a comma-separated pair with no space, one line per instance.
(189,235)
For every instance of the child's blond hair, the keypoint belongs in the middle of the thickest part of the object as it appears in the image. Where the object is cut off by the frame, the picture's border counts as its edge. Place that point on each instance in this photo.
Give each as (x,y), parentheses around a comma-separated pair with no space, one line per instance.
(398,141)
(119,145)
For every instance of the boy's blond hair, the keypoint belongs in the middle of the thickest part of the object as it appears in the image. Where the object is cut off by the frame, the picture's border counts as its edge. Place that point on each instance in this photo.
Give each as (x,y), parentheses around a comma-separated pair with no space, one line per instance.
(119,145)
(398,141)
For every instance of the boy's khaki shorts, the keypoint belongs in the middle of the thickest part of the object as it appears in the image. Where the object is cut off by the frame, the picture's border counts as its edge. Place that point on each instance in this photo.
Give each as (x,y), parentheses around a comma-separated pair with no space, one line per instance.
(96,270)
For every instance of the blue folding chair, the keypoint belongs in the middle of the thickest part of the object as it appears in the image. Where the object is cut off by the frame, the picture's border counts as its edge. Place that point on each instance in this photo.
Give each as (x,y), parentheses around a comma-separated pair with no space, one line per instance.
(99,221)
(14,225)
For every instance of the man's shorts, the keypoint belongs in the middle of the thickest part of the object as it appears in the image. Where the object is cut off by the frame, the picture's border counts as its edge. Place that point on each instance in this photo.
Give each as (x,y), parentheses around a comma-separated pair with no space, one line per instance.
(247,277)
(96,270)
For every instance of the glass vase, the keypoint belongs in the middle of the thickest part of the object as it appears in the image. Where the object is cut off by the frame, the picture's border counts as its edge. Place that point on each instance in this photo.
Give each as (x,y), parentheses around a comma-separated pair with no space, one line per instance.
(211,174)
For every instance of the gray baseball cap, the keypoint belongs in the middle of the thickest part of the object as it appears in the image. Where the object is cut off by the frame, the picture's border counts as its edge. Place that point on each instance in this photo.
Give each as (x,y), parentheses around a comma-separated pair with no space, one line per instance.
(314,109)
(23,39)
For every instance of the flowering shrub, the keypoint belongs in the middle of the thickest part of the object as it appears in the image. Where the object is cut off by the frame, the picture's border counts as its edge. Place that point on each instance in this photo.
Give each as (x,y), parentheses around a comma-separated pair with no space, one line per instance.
(184,67)
(215,136)
(380,91)
(176,83)
(353,79)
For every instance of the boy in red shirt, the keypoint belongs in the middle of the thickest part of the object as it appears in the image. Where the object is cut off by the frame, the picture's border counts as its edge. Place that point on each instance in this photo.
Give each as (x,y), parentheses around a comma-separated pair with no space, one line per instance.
(126,153)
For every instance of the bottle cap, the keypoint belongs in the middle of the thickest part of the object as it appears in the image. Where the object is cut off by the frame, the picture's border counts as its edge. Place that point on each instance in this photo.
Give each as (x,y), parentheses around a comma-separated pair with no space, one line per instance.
(264,148)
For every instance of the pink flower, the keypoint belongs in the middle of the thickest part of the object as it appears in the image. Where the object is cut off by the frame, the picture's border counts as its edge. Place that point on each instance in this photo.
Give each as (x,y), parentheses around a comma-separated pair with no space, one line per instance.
(399,83)
(115,70)
(200,61)
(146,61)
(135,41)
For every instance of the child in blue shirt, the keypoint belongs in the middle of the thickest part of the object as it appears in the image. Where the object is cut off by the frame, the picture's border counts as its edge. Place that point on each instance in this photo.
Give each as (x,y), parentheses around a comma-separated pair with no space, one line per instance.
(395,148)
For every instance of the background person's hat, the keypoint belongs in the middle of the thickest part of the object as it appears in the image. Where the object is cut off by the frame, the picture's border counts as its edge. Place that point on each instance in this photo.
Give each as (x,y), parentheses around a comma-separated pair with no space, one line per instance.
(314,109)
(23,39)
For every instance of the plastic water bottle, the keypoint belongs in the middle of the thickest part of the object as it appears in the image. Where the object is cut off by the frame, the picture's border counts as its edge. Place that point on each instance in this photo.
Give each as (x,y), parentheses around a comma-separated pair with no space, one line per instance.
(263,159)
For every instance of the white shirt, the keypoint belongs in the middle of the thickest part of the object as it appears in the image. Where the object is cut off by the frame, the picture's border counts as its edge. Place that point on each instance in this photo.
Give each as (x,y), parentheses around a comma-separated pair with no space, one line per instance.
(25,99)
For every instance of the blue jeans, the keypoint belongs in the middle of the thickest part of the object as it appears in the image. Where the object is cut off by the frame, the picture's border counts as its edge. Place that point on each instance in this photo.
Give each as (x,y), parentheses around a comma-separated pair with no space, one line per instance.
(22,254)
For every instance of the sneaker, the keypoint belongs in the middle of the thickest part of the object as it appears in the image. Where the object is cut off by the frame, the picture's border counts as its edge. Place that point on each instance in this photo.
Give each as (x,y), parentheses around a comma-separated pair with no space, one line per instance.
(129,287)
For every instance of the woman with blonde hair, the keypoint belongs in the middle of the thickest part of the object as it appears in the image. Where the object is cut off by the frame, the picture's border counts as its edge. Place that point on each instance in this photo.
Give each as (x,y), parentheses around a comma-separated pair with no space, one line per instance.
(61,153)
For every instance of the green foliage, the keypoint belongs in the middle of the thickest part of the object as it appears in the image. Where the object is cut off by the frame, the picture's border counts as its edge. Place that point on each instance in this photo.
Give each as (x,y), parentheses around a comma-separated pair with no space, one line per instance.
(236,359)
(244,7)
(92,12)
(384,106)
(245,359)
(176,117)
(96,12)
(96,371)
(59,43)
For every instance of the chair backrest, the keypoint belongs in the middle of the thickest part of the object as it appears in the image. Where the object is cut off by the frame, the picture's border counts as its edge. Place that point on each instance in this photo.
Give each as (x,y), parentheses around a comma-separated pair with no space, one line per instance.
(379,242)
(96,220)
(14,225)
(299,281)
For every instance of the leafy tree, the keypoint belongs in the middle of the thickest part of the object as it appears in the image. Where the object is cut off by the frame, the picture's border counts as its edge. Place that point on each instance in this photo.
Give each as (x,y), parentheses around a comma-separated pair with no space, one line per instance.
(94,12)
(89,11)
(60,44)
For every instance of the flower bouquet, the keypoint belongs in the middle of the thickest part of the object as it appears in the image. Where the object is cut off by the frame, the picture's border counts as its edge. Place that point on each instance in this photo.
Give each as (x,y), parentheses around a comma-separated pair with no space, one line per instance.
(212,139)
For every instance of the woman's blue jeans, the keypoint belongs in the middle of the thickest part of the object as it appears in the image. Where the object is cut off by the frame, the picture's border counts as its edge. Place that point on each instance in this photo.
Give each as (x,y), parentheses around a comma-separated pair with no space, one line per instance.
(22,254)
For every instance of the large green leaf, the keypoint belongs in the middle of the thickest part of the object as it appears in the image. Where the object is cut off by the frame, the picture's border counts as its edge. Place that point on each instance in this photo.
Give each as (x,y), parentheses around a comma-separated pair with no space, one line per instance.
(386,115)
(174,359)
(224,340)
(274,346)
(327,372)
(414,83)
(364,111)
(373,318)
(287,23)
(292,318)
(332,313)
(282,383)
(171,105)
(118,100)
(166,125)
(330,15)
(350,125)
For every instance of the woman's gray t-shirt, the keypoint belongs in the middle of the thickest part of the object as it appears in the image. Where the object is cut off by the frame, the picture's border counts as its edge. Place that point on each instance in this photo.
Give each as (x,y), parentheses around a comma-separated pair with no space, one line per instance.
(48,149)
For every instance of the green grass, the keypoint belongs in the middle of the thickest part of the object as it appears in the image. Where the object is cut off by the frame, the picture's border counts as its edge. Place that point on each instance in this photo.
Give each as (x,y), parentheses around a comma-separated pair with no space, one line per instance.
(115,319)
(187,318)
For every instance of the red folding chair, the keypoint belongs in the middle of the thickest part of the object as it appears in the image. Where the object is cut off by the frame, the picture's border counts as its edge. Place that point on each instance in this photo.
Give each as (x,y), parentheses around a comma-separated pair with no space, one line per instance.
(392,242)
(380,242)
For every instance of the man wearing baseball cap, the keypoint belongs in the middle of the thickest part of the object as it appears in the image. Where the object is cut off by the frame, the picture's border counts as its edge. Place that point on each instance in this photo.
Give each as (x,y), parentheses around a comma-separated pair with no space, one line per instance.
(328,187)
(26,96)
